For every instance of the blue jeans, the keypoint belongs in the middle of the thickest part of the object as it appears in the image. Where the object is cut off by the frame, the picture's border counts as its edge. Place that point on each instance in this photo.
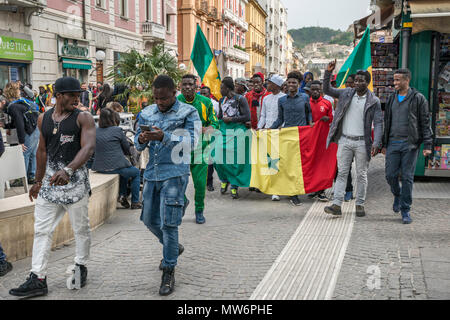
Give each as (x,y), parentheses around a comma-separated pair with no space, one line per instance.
(31,142)
(125,175)
(162,212)
(2,254)
(400,159)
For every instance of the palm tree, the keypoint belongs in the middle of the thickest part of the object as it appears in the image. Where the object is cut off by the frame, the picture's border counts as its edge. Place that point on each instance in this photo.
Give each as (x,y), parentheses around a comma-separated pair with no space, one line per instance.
(135,69)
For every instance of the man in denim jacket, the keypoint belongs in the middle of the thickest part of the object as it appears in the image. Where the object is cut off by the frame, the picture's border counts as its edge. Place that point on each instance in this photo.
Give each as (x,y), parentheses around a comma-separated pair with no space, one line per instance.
(174,131)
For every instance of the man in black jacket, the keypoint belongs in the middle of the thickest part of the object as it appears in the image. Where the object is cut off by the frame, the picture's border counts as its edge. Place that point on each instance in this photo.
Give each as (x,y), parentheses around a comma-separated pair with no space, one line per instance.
(406,127)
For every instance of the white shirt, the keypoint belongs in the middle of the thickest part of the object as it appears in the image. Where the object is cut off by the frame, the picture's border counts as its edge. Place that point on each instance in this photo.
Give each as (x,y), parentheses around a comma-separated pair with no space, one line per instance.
(215,106)
(353,122)
(269,111)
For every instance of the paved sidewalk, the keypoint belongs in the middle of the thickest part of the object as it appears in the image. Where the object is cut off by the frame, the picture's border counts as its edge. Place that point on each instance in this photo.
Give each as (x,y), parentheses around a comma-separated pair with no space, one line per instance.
(230,255)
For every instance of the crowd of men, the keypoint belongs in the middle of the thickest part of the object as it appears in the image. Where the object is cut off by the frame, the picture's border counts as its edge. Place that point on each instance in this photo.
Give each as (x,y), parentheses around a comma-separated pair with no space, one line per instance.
(68,138)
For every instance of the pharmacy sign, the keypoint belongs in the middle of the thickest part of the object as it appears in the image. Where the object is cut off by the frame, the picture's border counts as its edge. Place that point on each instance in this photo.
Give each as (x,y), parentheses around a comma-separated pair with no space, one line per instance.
(16,49)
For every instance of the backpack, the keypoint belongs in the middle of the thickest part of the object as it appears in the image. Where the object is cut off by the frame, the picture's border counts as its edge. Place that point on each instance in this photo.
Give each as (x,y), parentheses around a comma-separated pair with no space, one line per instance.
(30,116)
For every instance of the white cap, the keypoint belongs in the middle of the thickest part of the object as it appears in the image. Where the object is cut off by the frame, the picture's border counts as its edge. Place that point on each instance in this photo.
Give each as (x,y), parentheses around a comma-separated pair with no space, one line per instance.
(278,80)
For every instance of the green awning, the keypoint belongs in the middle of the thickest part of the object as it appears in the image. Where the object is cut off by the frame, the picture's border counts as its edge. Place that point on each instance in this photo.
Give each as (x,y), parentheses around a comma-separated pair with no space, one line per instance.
(76,64)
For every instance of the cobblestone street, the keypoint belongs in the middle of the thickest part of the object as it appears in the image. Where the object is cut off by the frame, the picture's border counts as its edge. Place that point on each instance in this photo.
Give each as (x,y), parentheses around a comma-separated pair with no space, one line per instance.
(229,256)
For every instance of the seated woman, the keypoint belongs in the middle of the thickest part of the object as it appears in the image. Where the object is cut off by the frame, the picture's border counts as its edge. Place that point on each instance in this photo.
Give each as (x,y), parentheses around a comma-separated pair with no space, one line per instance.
(110,150)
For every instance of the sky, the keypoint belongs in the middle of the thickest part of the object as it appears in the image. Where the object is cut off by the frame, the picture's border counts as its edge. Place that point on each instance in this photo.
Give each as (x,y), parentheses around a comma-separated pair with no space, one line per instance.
(334,14)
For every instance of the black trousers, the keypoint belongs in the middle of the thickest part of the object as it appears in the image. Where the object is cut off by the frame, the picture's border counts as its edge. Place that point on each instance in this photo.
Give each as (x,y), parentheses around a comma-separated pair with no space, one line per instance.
(209,181)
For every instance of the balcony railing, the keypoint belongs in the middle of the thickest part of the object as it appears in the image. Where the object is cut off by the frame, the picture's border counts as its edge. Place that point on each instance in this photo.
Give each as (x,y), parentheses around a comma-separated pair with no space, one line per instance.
(25,3)
(241,24)
(201,6)
(212,14)
(230,16)
(153,31)
(29,7)
(237,55)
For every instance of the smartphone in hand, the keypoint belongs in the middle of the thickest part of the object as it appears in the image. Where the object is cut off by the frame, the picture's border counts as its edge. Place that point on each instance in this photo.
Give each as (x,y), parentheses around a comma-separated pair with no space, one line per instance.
(145,128)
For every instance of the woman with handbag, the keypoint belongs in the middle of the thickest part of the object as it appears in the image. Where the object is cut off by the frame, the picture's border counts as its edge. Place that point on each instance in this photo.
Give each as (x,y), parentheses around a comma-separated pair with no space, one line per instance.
(110,157)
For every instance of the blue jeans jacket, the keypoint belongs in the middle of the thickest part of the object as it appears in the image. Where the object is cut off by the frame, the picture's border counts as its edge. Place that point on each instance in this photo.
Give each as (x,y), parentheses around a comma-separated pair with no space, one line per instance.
(170,157)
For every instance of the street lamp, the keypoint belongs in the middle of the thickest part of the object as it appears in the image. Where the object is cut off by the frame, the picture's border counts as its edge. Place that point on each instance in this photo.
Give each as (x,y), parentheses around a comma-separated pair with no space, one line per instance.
(100,55)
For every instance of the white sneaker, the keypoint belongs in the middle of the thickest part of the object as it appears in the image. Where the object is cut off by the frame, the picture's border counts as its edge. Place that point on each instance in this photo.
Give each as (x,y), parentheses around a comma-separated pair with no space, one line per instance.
(275,198)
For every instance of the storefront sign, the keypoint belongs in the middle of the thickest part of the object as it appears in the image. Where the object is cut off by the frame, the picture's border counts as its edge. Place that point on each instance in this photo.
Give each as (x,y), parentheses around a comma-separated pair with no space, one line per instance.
(16,49)
(72,48)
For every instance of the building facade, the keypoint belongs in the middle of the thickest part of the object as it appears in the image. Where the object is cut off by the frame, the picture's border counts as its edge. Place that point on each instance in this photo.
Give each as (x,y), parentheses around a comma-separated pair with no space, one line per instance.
(256,38)
(276,31)
(208,15)
(235,30)
(291,64)
(68,38)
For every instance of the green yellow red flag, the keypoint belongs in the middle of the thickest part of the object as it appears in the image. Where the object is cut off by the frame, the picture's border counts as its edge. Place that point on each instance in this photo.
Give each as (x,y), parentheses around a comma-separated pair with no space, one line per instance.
(359,59)
(205,64)
(288,161)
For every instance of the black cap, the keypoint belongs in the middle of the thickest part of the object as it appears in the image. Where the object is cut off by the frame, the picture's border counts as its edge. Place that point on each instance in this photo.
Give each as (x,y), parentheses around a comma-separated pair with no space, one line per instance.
(307,87)
(67,84)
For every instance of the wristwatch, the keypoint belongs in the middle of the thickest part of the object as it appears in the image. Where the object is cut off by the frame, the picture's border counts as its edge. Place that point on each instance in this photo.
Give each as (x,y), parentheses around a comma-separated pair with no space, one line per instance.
(69,171)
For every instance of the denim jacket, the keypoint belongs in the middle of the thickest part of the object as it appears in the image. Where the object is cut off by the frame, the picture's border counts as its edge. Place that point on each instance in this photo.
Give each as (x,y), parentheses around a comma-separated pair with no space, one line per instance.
(162,165)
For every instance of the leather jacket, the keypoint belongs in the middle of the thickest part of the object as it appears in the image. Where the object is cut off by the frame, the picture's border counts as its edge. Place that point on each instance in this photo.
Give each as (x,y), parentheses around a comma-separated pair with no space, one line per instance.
(419,128)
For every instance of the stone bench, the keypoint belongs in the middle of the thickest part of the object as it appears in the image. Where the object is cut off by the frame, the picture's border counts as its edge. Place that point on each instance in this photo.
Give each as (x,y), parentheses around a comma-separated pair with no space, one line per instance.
(17,217)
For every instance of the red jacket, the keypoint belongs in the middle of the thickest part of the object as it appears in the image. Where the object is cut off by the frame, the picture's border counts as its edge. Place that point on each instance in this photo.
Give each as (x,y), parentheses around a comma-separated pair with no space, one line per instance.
(321,107)
(255,107)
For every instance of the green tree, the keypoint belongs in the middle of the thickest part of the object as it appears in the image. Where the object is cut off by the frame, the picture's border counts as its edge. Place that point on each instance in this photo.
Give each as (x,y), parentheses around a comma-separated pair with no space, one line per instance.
(307,35)
(136,69)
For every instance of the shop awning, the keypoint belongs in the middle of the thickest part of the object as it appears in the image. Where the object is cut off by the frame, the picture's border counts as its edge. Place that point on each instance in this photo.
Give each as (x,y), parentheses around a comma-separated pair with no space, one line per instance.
(430,15)
(76,64)
(377,21)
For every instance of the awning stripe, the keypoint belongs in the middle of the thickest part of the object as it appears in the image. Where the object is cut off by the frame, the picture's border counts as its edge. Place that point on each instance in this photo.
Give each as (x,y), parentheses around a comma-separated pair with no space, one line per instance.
(76,63)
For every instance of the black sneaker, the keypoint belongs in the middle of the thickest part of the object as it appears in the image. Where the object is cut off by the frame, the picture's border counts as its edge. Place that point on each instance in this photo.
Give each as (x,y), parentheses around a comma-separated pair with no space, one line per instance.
(312,195)
(322,197)
(31,180)
(5,267)
(167,281)
(124,202)
(180,251)
(33,287)
(135,206)
(360,211)
(295,201)
(210,188)
(334,209)
(81,272)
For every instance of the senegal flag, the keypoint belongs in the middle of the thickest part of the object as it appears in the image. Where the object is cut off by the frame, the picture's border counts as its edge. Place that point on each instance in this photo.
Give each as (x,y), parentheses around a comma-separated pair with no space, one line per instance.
(289,161)
(359,59)
(203,60)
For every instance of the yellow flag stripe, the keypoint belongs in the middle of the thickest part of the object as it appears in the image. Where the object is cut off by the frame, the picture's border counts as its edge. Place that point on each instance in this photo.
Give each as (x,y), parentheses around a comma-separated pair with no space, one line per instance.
(276,162)
(212,79)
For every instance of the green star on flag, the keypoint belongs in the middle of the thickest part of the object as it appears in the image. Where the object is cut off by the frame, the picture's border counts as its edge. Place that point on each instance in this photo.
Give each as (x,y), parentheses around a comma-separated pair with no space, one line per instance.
(272,163)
